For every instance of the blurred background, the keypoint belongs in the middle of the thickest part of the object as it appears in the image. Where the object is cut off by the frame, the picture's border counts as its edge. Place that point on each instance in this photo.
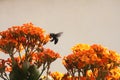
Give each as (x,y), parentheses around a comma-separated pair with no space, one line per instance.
(81,21)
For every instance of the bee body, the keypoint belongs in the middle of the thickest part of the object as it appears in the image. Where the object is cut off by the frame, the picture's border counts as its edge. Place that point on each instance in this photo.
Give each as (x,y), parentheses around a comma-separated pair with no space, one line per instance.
(54,37)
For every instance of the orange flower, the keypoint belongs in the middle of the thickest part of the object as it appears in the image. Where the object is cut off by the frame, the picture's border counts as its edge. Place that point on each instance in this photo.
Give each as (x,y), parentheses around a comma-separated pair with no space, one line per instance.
(8,69)
(109,78)
(95,72)
(85,58)
(27,40)
(48,55)
(97,48)
(80,65)
(83,78)
(114,56)
(95,58)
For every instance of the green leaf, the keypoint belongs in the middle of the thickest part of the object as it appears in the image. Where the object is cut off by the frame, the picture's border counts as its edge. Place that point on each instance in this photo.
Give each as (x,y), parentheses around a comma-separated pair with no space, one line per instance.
(25,66)
(33,73)
(16,73)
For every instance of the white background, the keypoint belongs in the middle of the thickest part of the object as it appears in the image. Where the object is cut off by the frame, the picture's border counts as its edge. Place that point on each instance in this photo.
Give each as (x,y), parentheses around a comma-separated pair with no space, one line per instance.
(82,21)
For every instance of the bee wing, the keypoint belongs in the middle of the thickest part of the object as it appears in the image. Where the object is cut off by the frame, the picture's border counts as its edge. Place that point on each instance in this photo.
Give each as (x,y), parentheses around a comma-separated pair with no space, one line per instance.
(59,34)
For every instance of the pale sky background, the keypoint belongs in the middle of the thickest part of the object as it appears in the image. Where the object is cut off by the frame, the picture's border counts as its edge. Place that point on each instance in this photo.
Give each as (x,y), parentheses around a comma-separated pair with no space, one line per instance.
(82,21)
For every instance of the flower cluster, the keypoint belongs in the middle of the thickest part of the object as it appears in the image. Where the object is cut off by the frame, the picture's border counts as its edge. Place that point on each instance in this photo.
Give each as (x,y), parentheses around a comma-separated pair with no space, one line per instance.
(57,75)
(25,46)
(94,62)
(29,58)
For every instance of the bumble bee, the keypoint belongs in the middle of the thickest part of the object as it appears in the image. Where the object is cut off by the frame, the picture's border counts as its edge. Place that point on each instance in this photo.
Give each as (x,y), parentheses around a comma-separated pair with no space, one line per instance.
(54,37)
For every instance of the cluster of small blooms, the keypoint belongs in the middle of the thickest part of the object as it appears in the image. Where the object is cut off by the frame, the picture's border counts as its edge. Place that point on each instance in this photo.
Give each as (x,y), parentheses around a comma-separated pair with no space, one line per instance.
(25,46)
(92,61)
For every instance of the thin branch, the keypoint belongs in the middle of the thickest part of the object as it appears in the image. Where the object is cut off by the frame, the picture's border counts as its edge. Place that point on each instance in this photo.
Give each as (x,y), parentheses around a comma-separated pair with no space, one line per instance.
(44,67)
(6,76)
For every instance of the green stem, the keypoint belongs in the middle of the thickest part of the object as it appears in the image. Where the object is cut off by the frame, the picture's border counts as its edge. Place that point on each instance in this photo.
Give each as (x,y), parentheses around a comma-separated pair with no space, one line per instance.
(20,56)
(6,76)
(44,67)
(48,67)
(78,74)
(12,58)
(3,76)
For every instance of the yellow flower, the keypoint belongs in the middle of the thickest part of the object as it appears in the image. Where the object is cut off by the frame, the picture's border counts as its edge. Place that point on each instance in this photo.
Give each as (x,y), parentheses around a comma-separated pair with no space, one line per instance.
(115,73)
(57,75)
(89,73)
(80,47)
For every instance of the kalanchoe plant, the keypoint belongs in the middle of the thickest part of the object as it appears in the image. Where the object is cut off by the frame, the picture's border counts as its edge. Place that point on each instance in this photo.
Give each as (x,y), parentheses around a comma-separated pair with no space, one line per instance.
(93,62)
(25,47)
